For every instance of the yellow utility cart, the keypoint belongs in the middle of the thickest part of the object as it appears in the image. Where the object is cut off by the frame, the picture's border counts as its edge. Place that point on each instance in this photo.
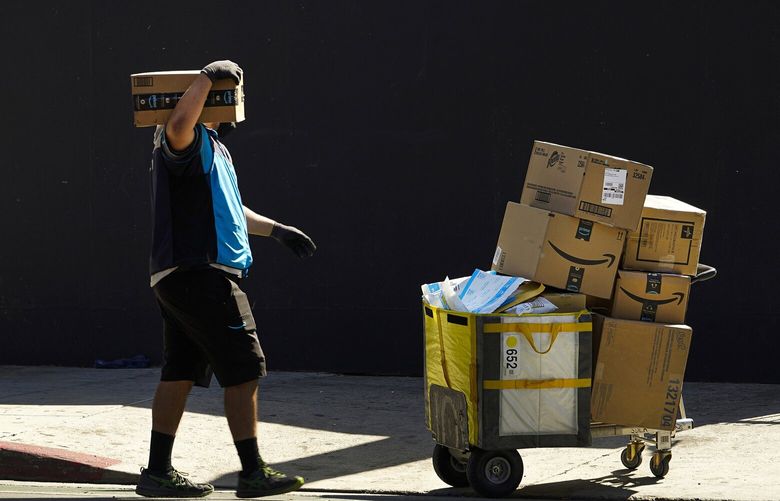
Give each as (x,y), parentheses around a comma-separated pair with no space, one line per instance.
(496,383)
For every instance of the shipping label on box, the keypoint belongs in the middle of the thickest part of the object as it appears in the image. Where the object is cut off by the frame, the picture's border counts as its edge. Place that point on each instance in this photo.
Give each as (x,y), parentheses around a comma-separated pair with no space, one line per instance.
(585,184)
(651,297)
(668,238)
(572,254)
(155,95)
(639,371)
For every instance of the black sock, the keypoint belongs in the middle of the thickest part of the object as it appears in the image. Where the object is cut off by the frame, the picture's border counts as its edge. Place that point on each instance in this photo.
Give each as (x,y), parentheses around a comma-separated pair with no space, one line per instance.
(249,455)
(160,450)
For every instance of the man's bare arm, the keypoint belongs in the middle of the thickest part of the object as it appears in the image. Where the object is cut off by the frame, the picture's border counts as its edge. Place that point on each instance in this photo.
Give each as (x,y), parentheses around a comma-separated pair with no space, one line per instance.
(289,236)
(180,129)
(257,224)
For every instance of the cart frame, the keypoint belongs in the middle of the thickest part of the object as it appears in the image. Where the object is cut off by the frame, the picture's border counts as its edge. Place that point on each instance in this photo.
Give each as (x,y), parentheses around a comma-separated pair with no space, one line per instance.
(498,472)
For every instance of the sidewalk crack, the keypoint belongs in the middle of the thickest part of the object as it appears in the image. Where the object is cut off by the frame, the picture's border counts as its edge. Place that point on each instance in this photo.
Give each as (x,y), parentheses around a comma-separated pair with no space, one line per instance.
(564,472)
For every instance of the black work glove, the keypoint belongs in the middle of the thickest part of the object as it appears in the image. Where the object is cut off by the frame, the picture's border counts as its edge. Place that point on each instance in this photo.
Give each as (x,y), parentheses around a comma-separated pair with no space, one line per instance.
(223,69)
(294,239)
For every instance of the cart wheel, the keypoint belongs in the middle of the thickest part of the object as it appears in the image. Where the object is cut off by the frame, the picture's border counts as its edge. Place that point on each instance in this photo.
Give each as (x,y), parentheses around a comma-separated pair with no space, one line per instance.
(494,473)
(448,468)
(632,463)
(659,464)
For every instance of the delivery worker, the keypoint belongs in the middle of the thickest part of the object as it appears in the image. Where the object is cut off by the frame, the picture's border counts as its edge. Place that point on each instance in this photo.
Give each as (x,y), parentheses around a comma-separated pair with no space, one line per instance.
(200,252)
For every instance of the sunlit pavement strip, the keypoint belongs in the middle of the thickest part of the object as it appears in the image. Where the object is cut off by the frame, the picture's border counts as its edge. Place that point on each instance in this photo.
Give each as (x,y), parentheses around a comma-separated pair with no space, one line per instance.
(40,490)
(204,443)
(364,434)
(327,459)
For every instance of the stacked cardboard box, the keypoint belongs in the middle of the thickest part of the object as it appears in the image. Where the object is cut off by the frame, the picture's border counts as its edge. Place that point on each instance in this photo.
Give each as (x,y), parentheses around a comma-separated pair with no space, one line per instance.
(647,311)
(638,372)
(570,227)
(586,224)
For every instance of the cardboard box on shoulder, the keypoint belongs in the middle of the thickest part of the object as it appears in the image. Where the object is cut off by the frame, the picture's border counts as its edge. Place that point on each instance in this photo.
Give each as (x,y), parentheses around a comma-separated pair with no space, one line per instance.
(650,297)
(573,254)
(156,93)
(586,184)
(639,371)
(668,238)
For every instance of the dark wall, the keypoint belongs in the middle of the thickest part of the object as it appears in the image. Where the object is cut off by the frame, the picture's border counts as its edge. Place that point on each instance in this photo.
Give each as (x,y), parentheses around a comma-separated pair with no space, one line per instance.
(393,133)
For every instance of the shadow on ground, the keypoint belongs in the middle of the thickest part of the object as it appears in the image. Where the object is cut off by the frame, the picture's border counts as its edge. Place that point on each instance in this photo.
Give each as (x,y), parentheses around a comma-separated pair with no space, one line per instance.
(620,484)
(389,407)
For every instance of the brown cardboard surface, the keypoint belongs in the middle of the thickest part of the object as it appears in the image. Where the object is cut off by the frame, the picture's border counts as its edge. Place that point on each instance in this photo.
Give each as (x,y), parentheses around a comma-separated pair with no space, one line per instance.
(639,372)
(521,241)
(599,304)
(573,254)
(586,184)
(567,302)
(668,238)
(650,296)
(156,93)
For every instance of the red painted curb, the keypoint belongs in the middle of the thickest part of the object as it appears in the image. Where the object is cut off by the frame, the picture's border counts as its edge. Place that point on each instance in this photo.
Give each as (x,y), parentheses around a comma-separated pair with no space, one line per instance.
(47,464)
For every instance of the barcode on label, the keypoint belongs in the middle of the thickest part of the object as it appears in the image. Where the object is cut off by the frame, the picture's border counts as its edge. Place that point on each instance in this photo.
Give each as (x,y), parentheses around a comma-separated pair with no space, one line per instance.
(614,186)
(143,81)
(542,196)
(599,210)
(497,256)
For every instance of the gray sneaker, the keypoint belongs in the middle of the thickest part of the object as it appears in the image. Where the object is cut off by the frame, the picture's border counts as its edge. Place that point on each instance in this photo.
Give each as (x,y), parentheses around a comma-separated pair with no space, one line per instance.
(266,482)
(171,484)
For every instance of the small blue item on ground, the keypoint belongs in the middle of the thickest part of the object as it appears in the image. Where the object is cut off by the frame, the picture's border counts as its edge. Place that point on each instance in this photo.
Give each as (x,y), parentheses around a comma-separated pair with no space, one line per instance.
(136,362)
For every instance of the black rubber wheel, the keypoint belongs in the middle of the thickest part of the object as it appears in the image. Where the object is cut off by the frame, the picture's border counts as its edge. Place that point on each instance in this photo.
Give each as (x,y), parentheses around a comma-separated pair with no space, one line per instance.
(448,468)
(494,473)
(660,465)
(635,462)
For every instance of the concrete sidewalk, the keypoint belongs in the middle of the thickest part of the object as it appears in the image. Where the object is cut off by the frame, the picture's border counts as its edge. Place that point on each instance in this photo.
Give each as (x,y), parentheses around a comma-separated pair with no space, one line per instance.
(361,434)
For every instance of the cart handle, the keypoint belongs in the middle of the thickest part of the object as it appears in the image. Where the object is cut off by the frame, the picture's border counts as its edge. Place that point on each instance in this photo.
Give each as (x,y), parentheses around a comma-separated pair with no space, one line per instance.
(704,272)
(527,329)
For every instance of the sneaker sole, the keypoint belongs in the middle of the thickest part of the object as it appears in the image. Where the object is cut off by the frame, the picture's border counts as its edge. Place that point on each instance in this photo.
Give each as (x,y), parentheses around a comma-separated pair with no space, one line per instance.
(271,492)
(168,493)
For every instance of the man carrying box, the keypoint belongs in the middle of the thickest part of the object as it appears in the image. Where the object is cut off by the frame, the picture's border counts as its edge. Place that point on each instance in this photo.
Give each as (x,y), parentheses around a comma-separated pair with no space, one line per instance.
(200,252)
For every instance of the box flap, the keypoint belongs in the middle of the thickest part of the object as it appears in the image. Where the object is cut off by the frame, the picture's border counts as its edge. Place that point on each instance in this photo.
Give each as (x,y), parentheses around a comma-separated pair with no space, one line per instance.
(523,231)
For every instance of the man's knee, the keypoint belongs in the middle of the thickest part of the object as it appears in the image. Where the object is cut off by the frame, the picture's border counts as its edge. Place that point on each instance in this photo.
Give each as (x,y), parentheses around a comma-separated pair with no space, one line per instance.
(248,387)
(174,387)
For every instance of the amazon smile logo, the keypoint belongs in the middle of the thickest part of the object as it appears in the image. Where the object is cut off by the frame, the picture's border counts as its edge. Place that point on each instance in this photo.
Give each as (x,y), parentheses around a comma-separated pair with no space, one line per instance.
(656,302)
(608,258)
